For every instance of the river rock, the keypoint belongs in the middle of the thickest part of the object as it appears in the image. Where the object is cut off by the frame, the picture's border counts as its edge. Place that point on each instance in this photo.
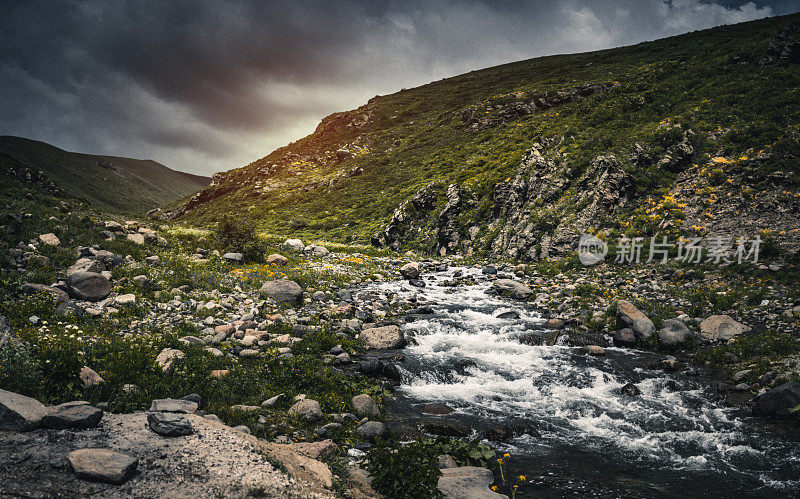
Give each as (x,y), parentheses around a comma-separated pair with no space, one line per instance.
(20,413)
(445,428)
(777,401)
(308,409)
(643,328)
(282,290)
(276,259)
(625,338)
(410,270)
(467,482)
(89,286)
(173,405)
(77,415)
(673,333)
(169,425)
(385,337)
(627,313)
(630,390)
(102,465)
(364,406)
(515,289)
(720,328)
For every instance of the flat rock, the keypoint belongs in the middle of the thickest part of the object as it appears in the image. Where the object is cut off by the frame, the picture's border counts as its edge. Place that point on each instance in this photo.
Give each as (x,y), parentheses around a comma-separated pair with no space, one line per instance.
(167,357)
(86,265)
(173,405)
(58,296)
(276,259)
(627,313)
(470,482)
(385,337)
(102,465)
(77,415)
(49,239)
(20,413)
(169,424)
(720,328)
(233,257)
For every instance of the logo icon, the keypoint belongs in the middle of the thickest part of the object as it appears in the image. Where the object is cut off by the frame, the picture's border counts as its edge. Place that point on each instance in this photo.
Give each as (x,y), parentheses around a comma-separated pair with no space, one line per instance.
(591,250)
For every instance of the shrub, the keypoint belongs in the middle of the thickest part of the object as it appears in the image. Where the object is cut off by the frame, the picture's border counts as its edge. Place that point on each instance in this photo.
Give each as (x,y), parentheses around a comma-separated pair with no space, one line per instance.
(238,235)
(407,471)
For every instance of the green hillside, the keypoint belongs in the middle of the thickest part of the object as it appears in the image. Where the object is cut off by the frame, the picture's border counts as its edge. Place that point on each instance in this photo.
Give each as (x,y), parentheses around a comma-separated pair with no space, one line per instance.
(108,183)
(689,133)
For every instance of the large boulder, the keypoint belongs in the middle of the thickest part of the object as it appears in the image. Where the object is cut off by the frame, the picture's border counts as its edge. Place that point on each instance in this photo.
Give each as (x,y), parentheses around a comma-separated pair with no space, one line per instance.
(467,482)
(720,328)
(308,409)
(365,407)
(77,415)
(102,465)
(89,286)
(282,290)
(294,245)
(410,270)
(777,401)
(169,425)
(20,413)
(627,313)
(515,289)
(372,430)
(673,333)
(380,338)
(643,328)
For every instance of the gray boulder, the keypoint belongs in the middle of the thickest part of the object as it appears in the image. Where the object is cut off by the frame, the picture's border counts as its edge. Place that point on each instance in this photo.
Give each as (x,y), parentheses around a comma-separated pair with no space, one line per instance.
(720,328)
(89,286)
(169,424)
(308,409)
(624,338)
(77,415)
(777,401)
(364,406)
(58,296)
(467,482)
(371,430)
(102,465)
(86,265)
(295,245)
(410,270)
(385,337)
(673,333)
(233,257)
(515,289)
(643,328)
(282,290)
(20,413)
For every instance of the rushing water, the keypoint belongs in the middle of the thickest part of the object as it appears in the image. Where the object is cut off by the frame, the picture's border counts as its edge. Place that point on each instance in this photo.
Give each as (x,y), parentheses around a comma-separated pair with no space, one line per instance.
(674,439)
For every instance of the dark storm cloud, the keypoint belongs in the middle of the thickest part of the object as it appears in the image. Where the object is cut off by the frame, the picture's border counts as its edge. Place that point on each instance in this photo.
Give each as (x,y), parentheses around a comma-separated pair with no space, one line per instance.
(206,86)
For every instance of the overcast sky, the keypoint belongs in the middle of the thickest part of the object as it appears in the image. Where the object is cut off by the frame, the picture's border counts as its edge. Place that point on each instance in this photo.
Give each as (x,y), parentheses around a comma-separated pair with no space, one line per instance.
(210,86)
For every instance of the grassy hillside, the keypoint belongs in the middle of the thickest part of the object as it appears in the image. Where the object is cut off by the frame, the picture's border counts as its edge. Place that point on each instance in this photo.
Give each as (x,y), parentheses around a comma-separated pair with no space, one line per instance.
(108,183)
(715,90)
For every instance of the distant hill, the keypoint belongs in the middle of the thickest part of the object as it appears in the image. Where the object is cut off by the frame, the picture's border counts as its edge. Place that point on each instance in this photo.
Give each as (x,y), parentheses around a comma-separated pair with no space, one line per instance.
(695,134)
(108,183)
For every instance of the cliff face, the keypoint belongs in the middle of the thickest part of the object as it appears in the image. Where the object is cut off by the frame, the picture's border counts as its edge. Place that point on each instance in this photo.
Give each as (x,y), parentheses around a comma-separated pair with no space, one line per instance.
(691,135)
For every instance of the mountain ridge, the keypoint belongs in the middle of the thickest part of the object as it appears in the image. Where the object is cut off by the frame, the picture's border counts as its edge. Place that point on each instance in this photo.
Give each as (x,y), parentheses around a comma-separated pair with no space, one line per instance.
(620,131)
(111,183)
